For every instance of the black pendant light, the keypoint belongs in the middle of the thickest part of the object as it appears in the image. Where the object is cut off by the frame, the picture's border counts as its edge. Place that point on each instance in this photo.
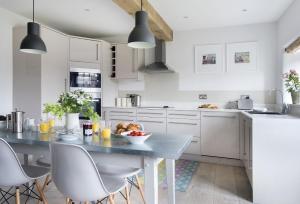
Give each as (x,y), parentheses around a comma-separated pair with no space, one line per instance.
(141,36)
(32,43)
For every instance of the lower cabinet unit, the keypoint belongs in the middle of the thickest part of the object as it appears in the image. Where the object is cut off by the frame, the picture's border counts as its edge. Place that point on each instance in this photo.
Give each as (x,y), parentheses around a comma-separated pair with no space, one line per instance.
(153,124)
(220,134)
(186,127)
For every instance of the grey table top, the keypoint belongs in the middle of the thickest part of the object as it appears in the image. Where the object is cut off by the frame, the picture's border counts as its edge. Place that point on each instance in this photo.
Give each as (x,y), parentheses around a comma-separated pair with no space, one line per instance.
(158,145)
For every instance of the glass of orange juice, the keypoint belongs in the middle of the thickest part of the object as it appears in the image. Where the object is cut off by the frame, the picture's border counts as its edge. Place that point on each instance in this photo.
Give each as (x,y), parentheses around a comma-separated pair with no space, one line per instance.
(106,130)
(96,127)
(44,126)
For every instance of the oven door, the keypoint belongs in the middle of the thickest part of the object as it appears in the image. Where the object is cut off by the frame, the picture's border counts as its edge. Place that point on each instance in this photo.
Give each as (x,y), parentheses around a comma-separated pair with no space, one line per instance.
(96,103)
(89,80)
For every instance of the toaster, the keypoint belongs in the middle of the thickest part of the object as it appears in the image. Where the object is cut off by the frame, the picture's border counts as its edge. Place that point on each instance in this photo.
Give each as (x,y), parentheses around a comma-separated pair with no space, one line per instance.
(245,103)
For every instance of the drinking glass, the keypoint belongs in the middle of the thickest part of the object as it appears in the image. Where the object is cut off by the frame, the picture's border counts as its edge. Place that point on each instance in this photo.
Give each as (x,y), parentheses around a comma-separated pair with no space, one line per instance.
(106,129)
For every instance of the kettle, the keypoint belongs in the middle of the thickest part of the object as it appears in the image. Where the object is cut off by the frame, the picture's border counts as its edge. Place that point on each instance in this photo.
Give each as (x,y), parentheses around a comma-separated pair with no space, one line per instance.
(17,120)
(135,100)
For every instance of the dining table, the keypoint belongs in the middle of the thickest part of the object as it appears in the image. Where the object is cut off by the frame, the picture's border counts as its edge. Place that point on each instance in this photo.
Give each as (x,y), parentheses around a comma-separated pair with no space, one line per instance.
(116,151)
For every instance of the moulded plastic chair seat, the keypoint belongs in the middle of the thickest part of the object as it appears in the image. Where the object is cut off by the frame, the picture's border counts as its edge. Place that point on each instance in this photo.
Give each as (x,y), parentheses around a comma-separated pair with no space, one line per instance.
(76,175)
(13,174)
(119,171)
(35,172)
(123,172)
(44,161)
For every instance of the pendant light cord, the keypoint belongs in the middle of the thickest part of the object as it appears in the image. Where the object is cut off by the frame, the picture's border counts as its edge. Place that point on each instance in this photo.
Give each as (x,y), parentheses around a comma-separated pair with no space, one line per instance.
(33,10)
(141,5)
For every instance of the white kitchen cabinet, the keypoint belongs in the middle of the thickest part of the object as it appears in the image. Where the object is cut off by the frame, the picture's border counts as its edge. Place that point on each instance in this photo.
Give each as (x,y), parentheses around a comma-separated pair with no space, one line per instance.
(248,149)
(128,61)
(84,50)
(186,127)
(39,79)
(153,124)
(220,134)
(54,66)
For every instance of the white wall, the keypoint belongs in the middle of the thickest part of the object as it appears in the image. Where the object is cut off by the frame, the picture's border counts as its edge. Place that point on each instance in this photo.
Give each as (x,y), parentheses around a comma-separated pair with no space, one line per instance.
(180,56)
(185,85)
(288,31)
(7,21)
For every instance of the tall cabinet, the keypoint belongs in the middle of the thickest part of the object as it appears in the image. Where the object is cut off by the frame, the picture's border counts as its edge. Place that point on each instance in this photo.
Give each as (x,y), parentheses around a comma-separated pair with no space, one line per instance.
(39,79)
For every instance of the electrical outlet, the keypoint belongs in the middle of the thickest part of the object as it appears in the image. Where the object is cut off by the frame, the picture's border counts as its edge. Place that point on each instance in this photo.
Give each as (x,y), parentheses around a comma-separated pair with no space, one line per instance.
(203,96)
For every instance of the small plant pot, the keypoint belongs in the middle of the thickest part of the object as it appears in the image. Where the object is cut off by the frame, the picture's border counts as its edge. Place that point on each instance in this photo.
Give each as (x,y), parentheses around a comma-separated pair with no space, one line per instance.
(295,97)
(72,121)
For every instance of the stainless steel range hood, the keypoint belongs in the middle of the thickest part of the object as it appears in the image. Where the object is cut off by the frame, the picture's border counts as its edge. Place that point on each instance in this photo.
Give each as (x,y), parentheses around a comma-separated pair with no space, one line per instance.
(159,64)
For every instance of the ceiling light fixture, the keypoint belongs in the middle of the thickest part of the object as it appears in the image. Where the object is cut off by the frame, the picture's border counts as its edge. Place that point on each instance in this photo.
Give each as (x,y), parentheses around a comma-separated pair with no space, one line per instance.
(32,43)
(141,36)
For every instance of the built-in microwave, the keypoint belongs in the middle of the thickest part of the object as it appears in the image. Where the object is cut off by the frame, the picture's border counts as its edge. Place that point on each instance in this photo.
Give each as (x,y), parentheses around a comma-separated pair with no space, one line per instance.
(88,80)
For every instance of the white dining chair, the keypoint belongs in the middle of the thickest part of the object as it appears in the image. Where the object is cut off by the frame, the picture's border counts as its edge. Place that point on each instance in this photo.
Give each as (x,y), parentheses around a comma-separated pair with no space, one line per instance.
(77,177)
(13,174)
(131,174)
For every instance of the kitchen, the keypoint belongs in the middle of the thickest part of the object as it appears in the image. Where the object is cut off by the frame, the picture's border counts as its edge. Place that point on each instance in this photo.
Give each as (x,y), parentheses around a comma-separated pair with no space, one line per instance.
(214,82)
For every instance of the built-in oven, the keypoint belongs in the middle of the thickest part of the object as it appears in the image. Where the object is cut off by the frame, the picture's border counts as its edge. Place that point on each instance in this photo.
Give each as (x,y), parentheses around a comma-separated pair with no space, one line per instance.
(88,80)
(96,104)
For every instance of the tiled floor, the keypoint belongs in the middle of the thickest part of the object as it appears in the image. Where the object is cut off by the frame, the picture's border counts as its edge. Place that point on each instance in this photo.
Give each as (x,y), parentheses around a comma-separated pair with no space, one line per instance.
(211,184)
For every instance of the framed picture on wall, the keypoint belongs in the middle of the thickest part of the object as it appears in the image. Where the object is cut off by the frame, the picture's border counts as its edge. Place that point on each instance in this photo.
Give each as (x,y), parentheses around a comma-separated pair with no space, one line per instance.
(209,58)
(241,57)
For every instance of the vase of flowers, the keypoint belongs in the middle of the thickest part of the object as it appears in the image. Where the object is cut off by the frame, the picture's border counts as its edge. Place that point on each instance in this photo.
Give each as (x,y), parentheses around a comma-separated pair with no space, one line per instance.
(71,104)
(292,84)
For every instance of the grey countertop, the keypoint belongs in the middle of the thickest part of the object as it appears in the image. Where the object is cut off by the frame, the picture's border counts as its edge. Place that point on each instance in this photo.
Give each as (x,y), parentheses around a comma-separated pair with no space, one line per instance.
(158,145)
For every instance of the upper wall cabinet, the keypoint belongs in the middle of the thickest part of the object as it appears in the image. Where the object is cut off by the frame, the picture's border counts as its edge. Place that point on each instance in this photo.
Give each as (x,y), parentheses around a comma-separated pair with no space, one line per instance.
(126,62)
(84,50)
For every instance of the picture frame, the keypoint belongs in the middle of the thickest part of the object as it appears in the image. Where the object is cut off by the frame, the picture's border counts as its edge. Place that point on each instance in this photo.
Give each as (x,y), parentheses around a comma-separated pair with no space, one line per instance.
(209,58)
(241,57)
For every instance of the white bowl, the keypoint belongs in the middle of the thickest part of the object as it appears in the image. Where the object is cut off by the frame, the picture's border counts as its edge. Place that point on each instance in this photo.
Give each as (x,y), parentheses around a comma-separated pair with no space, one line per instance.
(136,139)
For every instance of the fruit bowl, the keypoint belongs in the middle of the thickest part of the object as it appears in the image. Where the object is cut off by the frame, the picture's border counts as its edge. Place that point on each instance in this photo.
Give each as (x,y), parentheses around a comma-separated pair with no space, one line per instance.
(135,137)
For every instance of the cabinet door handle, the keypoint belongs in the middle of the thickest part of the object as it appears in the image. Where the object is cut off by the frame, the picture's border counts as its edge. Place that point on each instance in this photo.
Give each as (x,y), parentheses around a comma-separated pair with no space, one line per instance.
(193,141)
(178,114)
(181,123)
(245,137)
(219,116)
(150,113)
(120,120)
(121,112)
(150,121)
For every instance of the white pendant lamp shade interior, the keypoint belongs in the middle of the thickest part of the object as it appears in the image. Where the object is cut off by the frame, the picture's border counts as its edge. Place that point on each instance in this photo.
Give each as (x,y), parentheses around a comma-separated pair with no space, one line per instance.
(32,43)
(141,36)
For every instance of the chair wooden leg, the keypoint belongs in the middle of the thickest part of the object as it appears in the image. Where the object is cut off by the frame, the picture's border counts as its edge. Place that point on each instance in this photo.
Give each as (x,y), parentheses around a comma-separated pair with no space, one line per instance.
(140,188)
(41,192)
(67,200)
(46,182)
(127,195)
(18,195)
(111,199)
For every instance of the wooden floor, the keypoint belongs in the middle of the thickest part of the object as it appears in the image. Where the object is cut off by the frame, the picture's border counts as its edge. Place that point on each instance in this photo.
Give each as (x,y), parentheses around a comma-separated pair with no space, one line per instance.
(211,184)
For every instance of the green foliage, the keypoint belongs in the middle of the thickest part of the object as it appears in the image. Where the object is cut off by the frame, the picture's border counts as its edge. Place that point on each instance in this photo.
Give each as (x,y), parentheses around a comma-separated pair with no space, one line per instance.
(73,102)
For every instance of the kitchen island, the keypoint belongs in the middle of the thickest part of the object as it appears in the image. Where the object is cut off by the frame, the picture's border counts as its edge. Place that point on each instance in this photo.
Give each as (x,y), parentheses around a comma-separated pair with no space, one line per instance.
(116,151)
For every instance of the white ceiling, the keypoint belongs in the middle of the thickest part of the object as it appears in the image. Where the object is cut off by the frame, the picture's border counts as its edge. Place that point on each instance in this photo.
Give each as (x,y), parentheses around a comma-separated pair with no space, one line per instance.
(105,18)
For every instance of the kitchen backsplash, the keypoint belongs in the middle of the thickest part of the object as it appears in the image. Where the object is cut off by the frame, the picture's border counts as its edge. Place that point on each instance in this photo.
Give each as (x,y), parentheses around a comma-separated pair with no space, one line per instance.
(191,98)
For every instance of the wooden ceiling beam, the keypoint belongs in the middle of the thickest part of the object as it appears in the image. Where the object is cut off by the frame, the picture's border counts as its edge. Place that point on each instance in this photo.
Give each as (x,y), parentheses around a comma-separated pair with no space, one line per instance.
(158,26)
